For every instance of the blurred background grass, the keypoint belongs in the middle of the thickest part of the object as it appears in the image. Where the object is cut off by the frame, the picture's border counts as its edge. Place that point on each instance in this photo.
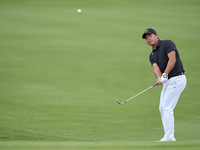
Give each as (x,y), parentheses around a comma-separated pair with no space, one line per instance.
(61,71)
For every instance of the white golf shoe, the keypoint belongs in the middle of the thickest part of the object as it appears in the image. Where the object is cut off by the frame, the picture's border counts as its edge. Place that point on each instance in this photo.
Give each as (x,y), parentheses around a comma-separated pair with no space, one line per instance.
(167,140)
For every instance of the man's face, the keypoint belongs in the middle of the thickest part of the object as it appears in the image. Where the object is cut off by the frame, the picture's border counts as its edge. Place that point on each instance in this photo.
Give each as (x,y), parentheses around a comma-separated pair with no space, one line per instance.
(152,39)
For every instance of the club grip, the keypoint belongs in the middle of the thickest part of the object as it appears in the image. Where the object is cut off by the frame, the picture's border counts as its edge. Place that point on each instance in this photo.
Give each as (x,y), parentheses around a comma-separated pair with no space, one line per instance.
(155,84)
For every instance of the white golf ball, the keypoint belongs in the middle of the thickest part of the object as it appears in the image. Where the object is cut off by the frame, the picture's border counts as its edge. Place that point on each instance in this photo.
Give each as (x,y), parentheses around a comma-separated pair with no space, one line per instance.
(79,10)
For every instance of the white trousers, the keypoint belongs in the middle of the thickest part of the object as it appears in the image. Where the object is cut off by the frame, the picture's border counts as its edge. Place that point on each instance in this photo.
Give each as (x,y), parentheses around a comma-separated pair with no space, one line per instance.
(170,94)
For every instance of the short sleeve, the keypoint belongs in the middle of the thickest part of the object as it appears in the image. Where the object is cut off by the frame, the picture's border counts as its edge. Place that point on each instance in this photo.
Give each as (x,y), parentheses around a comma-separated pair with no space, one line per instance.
(169,46)
(151,59)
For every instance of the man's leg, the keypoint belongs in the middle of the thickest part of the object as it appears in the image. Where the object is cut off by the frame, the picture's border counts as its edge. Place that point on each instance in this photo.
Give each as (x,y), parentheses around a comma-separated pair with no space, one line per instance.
(169,97)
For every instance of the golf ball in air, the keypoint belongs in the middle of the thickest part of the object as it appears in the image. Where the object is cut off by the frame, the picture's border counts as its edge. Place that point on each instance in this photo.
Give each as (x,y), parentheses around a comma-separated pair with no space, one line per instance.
(79,10)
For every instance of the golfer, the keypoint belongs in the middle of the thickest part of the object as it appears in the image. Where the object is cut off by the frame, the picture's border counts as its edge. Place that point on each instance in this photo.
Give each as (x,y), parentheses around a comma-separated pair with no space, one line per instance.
(169,71)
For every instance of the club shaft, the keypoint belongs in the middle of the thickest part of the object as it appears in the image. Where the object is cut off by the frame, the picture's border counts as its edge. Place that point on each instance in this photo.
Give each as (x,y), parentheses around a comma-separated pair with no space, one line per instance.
(138,94)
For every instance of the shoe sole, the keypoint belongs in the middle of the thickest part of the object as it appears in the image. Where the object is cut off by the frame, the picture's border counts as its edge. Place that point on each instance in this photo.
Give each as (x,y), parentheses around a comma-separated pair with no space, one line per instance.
(167,141)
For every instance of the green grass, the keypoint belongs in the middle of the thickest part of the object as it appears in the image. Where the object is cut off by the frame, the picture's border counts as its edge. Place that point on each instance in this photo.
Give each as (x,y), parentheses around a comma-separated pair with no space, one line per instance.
(62,71)
(101,145)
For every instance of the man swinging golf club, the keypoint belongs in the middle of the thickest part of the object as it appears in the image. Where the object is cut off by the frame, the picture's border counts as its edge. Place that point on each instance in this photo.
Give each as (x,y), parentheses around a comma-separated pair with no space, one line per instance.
(169,71)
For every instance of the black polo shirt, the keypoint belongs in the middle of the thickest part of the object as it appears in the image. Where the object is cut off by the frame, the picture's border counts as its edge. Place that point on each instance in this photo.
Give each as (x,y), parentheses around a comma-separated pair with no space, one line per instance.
(159,56)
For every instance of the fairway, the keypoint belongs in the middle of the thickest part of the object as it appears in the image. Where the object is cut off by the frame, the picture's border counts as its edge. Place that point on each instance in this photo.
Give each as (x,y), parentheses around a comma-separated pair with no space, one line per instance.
(61,72)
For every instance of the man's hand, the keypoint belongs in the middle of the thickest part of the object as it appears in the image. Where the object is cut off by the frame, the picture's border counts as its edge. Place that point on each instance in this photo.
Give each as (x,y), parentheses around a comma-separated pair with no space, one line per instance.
(164,78)
(159,81)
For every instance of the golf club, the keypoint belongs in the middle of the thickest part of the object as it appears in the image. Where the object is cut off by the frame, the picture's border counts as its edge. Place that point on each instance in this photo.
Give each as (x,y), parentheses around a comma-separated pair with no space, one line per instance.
(137,94)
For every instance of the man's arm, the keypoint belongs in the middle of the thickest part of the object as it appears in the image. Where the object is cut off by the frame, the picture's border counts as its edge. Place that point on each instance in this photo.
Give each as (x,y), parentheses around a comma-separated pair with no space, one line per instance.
(171,63)
(170,66)
(157,73)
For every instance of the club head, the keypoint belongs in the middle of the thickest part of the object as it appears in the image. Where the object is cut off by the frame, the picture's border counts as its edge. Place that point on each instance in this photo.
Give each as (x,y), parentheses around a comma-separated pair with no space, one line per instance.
(118,102)
(121,103)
